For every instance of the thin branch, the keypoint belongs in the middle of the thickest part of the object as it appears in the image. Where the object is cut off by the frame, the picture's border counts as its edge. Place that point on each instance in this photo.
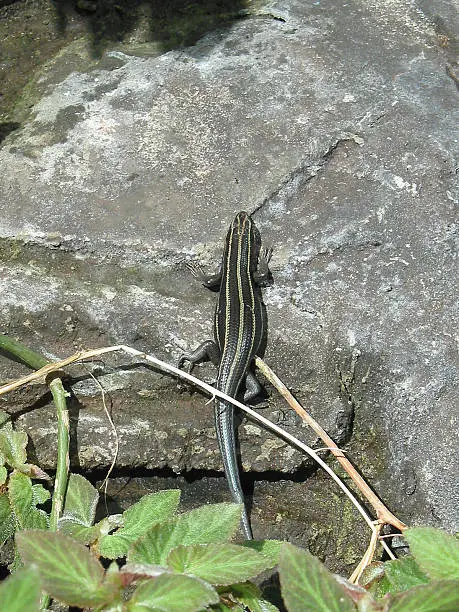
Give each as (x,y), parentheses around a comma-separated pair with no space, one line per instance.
(115,433)
(41,374)
(384,514)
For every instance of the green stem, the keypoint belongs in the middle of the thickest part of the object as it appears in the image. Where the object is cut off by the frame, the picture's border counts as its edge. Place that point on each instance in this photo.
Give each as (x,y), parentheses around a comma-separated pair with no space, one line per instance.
(28,356)
(36,361)
(63,438)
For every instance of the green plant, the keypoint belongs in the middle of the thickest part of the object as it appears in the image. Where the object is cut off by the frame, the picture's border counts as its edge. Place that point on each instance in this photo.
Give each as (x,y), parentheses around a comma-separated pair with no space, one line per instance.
(181,562)
(19,497)
(426,581)
(185,562)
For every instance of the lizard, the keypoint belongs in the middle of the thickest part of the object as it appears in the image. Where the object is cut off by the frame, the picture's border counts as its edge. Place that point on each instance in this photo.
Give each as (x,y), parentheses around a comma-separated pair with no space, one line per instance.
(239,333)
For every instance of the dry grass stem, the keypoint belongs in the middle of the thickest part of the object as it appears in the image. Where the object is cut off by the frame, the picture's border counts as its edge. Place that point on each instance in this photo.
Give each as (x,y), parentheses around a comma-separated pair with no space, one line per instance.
(115,433)
(369,554)
(384,514)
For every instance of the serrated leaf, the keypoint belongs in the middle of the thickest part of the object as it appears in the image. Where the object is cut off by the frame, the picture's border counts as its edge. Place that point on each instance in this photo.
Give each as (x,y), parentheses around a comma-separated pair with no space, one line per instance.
(137,520)
(7,519)
(134,571)
(371,574)
(68,571)
(432,597)
(435,551)
(249,595)
(3,475)
(39,494)
(5,419)
(13,445)
(403,574)
(307,584)
(205,525)
(174,594)
(29,469)
(21,591)
(80,501)
(268,548)
(219,564)
(20,494)
(80,533)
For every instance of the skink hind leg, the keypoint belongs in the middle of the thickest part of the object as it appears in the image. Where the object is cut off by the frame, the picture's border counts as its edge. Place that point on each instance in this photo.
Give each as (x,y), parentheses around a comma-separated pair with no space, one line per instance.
(252,387)
(207,351)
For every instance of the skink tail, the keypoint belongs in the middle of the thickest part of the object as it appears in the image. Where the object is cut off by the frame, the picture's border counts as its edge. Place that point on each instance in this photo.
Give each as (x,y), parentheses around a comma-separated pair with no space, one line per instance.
(224,423)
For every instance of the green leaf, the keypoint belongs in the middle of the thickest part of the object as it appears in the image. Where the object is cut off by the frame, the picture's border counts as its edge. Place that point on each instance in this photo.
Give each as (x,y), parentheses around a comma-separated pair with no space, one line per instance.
(68,571)
(80,533)
(432,597)
(21,495)
(268,548)
(134,571)
(7,519)
(219,564)
(436,552)
(39,494)
(33,471)
(3,475)
(13,445)
(204,525)
(249,595)
(403,574)
(173,593)
(80,501)
(80,510)
(307,584)
(4,418)
(21,591)
(374,580)
(137,520)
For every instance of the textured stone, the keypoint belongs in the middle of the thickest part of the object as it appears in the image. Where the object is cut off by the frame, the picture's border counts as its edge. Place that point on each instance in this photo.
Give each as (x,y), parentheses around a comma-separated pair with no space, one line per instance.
(336,125)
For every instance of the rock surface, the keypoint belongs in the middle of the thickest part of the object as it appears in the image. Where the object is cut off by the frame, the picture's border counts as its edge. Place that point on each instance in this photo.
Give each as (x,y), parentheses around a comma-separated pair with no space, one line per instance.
(335,125)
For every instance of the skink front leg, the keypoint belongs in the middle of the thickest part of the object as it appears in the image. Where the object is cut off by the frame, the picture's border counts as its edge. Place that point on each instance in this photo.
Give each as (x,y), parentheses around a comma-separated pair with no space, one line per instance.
(262,274)
(211,281)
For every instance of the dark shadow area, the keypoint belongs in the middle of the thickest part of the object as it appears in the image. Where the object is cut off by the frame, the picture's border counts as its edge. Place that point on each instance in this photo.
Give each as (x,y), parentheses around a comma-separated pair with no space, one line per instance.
(170,24)
(6,128)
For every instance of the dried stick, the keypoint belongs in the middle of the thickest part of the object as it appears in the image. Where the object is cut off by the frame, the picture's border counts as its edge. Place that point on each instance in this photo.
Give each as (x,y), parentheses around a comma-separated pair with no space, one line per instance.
(368,556)
(384,515)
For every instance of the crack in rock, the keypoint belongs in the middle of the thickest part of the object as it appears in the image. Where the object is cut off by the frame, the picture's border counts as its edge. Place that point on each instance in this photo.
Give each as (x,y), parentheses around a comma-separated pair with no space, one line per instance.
(303,173)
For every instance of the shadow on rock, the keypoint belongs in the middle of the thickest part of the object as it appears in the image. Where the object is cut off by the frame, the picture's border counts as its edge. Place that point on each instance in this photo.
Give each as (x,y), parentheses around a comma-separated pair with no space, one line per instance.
(7,128)
(171,24)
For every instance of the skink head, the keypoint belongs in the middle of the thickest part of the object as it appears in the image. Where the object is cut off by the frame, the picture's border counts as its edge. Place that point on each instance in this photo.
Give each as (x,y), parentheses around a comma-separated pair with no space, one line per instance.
(244,226)
(243,234)
(241,219)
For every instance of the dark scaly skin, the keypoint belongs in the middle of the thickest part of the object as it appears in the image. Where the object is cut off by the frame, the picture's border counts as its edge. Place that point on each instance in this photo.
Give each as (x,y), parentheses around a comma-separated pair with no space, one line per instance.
(239,327)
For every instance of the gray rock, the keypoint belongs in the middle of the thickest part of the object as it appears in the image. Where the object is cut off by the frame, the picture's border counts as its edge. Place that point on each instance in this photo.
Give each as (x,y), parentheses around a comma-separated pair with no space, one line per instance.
(335,125)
